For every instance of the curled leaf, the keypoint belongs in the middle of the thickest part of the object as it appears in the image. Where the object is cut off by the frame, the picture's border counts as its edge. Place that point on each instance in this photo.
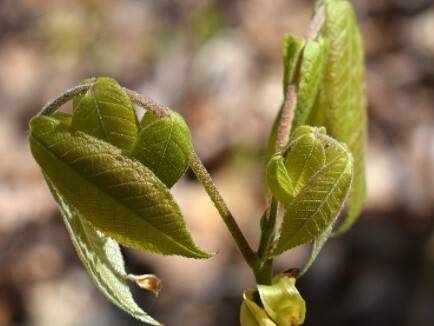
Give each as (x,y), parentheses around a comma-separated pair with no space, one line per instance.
(282,301)
(251,314)
(319,201)
(164,145)
(304,158)
(106,112)
(119,196)
(278,179)
(309,79)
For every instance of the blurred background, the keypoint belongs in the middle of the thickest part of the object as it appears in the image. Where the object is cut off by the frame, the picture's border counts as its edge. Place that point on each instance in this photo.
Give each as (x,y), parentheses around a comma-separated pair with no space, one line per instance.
(219,64)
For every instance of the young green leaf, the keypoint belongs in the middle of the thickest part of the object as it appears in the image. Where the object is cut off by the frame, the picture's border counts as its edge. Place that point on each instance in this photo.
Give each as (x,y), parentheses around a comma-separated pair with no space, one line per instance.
(278,180)
(309,79)
(106,112)
(319,201)
(304,158)
(341,104)
(292,53)
(292,50)
(102,258)
(164,145)
(119,196)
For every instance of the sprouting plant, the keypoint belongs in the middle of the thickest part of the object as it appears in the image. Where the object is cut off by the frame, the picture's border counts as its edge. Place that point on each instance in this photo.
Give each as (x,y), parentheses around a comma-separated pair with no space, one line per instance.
(111,174)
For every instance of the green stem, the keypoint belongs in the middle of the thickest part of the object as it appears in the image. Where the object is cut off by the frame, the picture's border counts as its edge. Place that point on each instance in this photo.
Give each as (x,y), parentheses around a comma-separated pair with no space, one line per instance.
(267,235)
(265,269)
(205,179)
(57,102)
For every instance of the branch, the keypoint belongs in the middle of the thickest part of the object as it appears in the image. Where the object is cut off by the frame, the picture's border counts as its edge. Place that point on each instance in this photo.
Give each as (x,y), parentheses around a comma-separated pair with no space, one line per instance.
(146,103)
(206,181)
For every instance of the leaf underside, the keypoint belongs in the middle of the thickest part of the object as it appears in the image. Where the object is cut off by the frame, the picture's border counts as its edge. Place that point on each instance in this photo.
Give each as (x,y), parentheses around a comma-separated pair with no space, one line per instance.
(119,196)
(102,258)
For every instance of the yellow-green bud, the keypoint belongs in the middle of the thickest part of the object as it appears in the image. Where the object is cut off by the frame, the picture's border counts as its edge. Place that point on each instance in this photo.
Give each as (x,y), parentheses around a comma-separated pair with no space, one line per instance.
(251,314)
(282,301)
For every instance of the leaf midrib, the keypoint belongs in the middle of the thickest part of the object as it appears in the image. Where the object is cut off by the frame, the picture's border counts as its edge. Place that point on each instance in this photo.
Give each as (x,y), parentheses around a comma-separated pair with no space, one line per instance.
(110,196)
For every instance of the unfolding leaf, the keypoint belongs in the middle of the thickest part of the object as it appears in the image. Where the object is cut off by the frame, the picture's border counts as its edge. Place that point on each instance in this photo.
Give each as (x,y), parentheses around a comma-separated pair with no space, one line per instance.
(292,49)
(106,112)
(282,301)
(341,104)
(304,158)
(251,314)
(102,258)
(319,201)
(292,54)
(278,180)
(309,79)
(119,196)
(164,145)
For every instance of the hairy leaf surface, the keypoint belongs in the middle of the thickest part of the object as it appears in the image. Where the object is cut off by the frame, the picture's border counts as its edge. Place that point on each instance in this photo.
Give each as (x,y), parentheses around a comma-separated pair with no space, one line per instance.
(341,104)
(305,157)
(119,196)
(106,112)
(320,200)
(164,145)
(102,258)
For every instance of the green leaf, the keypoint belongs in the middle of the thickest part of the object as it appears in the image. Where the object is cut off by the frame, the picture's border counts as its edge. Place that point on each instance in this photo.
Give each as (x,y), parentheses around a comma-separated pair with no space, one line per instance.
(106,112)
(164,145)
(282,301)
(309,79)
(320,200)
(341,104)
(292,50)
(305,157)
(119,196)
(278,180)
(102,258)
(63,117)
(292,54)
